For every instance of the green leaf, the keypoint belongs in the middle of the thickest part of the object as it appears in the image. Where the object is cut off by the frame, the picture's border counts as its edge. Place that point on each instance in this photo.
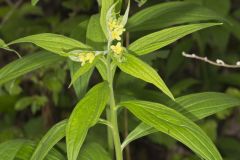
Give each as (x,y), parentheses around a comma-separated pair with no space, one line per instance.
(84,116)
(176,125)
(81,84)
(23,149)
(140,131)
(9,149)
(53,42)
(126,14)
(80,30)
(222,8)
(54,135)
(37,101)
(96,39)
(157,40)
(193,106)
(82,70)
(167,14)
(141,70)
(27,64)
(95,35)
(27,150)
(200,105)
(34,2)
(93,151)
(3,45)
(106,4)
(102,68)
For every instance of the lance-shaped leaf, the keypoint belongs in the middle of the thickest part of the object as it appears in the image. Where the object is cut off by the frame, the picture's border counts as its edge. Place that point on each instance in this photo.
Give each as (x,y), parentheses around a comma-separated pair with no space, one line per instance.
(200,105)
(194,106)
(93,151)
(170,13)
(23,149)
(9,149)
(27,64)
(176,125)
(139,69)
(140,131)
(126,14)
(53,42)
(157,40)
(27,150)
(54,135)
(81,84)
(95,35)
(95,38)
(3,45)
(85,115)
(83,69)
(105,6)
(102,68)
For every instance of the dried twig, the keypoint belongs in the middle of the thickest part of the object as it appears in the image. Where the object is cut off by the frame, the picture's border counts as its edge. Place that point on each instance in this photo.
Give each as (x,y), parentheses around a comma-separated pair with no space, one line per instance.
(218,62)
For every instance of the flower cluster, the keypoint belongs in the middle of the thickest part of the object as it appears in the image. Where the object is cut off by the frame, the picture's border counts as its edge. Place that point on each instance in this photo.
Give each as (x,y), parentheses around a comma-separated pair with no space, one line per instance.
(87,57)
(118,49)
(116,30)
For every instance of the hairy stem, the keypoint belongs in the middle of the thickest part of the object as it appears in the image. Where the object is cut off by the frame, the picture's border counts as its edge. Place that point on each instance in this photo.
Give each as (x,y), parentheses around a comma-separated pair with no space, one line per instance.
(113,113)
(109,135)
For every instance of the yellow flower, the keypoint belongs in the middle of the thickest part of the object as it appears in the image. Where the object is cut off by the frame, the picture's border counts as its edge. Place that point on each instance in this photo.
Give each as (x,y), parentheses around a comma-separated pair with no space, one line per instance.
(116,29)
(82,59)
(118,49)
(86,57)
(116,35)
(120,28)
(90,57)
(112,24)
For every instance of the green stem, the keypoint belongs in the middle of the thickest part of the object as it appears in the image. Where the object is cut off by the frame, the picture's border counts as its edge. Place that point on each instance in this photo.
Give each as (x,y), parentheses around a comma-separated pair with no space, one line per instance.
(113,113)
(109,135)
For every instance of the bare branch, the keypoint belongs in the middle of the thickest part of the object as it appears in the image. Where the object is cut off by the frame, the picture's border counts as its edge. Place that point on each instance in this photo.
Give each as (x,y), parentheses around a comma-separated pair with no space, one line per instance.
(218,62)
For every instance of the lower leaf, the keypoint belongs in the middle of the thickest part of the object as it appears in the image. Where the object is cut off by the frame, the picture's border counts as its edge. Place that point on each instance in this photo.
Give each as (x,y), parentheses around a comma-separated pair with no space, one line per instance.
(85,115)
(176,125)
(55,134)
